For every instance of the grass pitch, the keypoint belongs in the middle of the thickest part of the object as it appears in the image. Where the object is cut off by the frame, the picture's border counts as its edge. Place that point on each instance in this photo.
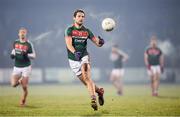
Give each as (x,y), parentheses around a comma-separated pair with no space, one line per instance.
(73,100)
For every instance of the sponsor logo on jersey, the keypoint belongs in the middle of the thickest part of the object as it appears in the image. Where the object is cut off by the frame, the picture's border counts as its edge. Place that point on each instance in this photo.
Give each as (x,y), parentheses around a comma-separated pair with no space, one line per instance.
(21,47)
(153,51)
(80,34)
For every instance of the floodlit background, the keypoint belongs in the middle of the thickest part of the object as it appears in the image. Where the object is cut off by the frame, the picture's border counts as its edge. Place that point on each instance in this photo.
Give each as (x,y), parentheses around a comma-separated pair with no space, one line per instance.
(136,22)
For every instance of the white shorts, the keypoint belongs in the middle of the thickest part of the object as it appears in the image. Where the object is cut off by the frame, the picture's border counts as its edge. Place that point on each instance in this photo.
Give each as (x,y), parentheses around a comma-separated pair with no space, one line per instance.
(76,65)
(154,69)
(22,71)
(117,72)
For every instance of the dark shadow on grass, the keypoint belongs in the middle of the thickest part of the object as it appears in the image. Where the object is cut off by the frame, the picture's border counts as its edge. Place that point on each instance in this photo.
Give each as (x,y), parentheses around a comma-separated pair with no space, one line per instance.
(168,97)
(28,106)
(98,113)
(93,114)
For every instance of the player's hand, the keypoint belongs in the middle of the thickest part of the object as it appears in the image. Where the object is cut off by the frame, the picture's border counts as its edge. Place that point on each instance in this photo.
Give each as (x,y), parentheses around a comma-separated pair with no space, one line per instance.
(148,67)
(77,55)
(162,69)
(12,56)
(101,41)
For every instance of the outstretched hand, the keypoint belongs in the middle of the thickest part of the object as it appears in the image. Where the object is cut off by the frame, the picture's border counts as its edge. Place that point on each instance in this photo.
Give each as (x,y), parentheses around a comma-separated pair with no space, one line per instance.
(101,41)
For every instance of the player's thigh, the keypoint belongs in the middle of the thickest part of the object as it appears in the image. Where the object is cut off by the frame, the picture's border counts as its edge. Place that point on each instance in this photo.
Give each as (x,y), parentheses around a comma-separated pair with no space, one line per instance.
(75,66)
(86,72)
(86,67)
(25,76)
(114,75)
(16,74)
(152,72)
(15,78)
(26,71)
(157,72)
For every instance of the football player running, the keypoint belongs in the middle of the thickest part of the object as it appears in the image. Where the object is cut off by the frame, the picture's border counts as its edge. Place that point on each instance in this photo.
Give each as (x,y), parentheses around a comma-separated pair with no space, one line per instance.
(118,57)
(22,52)
(154,61)
(76,37)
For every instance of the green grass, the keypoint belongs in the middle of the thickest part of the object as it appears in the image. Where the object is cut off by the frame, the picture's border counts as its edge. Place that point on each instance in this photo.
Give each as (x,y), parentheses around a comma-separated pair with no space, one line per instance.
(66,100)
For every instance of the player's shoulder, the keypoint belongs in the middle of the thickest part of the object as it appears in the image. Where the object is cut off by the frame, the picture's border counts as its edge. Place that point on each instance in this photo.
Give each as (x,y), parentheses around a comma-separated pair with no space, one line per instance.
(69,27)
(158,48)
(29,43)
(85,28)
(147,48)
(16,41)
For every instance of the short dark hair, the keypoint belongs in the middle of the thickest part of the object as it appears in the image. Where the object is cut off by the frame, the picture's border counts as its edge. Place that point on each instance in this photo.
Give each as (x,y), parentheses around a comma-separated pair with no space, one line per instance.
(77,11)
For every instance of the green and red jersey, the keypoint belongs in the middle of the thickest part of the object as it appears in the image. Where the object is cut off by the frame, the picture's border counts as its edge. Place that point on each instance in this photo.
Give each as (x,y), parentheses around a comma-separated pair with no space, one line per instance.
(79,40)
(19,47)
(154,55)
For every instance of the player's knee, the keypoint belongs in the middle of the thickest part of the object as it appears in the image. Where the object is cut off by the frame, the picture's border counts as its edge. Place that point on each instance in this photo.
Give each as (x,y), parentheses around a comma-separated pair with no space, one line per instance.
(24,87)
(13,84)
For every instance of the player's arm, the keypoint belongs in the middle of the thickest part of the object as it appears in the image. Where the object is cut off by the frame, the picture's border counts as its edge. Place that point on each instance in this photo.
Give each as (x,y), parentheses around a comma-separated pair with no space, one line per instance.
(162,62)
(68,41)
(125,56)
(13,53)
(98,41)
(146,60)
(32,53)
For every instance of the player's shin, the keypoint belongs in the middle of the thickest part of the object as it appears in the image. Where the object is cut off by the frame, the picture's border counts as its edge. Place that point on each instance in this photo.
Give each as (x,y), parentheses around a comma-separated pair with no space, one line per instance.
(24,96)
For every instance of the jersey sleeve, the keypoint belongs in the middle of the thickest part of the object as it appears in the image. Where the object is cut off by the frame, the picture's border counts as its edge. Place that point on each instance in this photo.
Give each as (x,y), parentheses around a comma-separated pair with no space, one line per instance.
(160,52)
(91,35)
(68,32)
(31,48)
(14,45)
(146,50)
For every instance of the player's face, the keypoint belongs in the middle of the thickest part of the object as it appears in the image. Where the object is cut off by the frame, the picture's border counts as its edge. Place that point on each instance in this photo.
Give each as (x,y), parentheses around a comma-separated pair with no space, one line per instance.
(22,33)
(153,43)
(79,18)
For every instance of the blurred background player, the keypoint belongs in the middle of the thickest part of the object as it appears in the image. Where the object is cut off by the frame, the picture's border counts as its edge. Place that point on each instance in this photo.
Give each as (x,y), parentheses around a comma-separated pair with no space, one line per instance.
(22,52)
(76,37)
(118,57)
(154,61)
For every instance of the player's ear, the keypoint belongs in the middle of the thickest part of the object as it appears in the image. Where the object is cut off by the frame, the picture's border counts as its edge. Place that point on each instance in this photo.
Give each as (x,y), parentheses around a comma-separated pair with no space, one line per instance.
(73,19)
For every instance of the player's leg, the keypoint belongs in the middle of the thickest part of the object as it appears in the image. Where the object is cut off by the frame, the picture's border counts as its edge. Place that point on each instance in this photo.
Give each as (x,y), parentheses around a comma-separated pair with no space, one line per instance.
(152,76)
(156,82)
(16,75)
(118,85)
(15,80)
(24,83)
(85,69)
(153,84)
(120,76)
(115,79)
(99,91)
(156,85)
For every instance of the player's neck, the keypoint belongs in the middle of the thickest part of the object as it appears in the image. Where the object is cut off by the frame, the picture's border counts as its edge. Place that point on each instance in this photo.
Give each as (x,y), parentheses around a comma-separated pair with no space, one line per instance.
(23,40)
(153,46)
(78,25)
